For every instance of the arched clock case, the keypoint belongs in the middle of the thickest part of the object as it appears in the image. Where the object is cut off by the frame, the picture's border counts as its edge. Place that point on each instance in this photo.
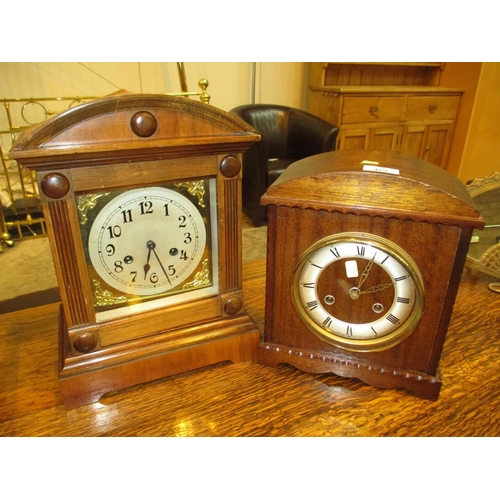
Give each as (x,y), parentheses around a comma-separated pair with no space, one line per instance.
(142,197)
(365,255)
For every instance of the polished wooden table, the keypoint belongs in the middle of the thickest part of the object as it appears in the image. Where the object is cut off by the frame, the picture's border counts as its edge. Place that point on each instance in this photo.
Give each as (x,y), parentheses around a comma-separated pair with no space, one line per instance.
(249,399)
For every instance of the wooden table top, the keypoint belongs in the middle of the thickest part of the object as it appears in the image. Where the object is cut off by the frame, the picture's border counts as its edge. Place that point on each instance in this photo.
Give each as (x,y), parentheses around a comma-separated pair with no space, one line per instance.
(249,399)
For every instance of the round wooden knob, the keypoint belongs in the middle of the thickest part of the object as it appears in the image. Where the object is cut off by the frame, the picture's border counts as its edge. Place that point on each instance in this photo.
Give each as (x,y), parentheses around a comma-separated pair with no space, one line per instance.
(55,185)
(86,342)
(233,305)
(230,166)
(144,124)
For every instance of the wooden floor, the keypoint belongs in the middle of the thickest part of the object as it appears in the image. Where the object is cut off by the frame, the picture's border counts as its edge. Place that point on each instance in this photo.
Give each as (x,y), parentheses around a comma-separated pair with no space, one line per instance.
(249,399)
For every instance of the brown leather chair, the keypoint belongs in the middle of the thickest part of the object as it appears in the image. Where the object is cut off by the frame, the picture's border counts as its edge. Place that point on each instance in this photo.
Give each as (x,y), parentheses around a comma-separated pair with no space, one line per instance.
(287,135)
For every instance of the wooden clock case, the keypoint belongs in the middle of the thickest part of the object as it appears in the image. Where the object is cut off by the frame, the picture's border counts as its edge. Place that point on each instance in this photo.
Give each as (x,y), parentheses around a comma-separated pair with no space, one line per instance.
(126,141)
(424,210)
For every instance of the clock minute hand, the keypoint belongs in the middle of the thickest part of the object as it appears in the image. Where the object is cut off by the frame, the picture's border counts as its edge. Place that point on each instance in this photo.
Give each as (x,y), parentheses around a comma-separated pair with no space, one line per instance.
(161,265)
(366,272)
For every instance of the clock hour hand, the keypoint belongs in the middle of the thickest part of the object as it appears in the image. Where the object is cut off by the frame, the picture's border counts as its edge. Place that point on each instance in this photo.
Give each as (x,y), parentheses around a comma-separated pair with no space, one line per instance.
(147,267)
(377,288)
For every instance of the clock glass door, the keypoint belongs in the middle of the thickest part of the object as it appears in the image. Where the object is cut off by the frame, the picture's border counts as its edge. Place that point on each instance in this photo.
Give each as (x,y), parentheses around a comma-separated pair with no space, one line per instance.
(150,247)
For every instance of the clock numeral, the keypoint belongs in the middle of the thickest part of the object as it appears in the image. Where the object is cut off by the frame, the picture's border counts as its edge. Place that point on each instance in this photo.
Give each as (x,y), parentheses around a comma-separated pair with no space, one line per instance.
(110,250)
(401,278)
(166,210)
(374,331)
(308,285)
(188,238)
(327,322)
(403,300)
(171,270)
(349,331)
(118,266)
(153,278)
(312,305)
(146,207)
(134,275)
(127,216)
(335,252)
(316,265)
(384,259)
(393,319)
(184,255)
(114,231)
(182,220)
(361,250)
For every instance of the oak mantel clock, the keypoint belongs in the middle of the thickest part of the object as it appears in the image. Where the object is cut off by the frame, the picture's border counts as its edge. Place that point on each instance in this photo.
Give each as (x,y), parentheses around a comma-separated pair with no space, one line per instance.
(142,198)
(365,254)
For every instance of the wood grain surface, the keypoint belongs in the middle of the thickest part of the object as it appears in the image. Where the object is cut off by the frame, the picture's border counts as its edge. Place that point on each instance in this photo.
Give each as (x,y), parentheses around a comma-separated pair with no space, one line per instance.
(249,399)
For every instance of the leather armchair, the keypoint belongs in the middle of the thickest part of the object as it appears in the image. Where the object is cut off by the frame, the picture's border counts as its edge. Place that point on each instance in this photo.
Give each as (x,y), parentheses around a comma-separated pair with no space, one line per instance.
(287,135)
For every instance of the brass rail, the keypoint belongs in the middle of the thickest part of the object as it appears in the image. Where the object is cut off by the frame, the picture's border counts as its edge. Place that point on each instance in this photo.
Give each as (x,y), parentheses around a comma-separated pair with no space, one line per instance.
(20,211)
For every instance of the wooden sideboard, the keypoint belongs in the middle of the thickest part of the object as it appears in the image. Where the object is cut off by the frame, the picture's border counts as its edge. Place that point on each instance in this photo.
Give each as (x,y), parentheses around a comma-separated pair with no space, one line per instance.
(387,107)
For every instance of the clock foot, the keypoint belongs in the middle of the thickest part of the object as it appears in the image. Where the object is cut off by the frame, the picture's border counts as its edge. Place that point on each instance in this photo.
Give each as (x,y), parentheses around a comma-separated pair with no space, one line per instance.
(420,384)
(84,379)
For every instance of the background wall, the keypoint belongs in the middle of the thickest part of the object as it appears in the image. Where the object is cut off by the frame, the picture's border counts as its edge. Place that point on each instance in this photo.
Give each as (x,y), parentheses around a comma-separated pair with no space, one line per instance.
(481,151)
(463,76)
(475,147)
(230,83)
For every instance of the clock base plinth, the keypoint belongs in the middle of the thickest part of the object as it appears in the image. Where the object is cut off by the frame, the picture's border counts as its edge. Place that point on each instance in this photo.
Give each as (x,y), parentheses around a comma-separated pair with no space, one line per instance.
(420,384)
(84,379)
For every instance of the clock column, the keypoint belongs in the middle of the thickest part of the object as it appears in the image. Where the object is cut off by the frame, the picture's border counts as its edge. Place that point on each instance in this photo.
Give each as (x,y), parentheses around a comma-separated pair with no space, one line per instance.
(57,197)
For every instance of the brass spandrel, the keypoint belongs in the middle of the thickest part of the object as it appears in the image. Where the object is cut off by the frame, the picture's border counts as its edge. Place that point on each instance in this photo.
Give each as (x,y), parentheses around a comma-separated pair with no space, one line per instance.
(87,202)
(201,278)
(104,298)
(194,188)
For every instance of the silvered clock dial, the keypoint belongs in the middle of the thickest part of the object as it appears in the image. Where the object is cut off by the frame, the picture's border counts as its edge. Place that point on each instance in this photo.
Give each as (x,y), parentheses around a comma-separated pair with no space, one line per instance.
(358,291)
(146,243)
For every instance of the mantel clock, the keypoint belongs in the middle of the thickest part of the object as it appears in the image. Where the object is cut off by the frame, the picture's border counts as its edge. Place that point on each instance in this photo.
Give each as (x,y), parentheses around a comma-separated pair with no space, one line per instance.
(365,287)
(142,197)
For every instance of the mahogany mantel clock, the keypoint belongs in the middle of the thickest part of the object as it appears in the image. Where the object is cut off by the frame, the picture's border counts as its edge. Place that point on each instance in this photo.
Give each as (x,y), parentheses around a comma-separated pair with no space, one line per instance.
(365,254)
(141,194)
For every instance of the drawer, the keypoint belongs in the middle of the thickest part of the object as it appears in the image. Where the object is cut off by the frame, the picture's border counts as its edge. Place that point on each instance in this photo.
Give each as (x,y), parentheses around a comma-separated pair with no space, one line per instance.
(432,108)
(373,109)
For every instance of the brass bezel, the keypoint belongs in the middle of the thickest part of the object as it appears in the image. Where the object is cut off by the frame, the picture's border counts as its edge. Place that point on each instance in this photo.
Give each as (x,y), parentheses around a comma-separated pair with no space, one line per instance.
(387,341)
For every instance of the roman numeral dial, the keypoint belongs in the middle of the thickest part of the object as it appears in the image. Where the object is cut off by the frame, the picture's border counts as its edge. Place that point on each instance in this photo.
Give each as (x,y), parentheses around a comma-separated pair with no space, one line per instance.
(358,291)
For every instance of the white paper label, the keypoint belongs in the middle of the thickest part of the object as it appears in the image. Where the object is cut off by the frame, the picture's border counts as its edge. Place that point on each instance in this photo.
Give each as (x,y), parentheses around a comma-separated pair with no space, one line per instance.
(384,170)
(351,269)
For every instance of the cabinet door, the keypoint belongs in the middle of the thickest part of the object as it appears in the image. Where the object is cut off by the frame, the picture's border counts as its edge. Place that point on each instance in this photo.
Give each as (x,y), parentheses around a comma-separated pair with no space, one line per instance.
(378,138)
(384,138)
(429,142)
(437,144)
(413,140)
(358,138)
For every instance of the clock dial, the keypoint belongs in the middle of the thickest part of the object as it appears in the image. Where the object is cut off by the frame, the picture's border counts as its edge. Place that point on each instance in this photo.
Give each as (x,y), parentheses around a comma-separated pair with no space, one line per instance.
(149,247)
(358,291)
(147,241)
